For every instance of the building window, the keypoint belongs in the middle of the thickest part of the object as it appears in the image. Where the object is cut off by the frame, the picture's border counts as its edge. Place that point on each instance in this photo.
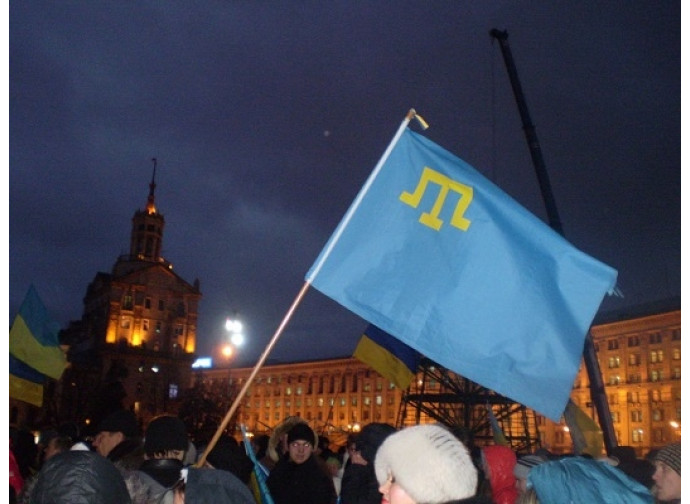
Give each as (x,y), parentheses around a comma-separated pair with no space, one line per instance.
(145,325)
(613,344)
(613,398)
(658,415)
(676,353)
(127,302)
(634,359)
(159,326)
(614,362)
(379,400)
(676,373)
(161,305)
(675,335)
(615,416)
(173,390)
(288,391)
(179,330)
(656,356)
(633,341)
(655,395)
(126,322)
(319,402)
(636,416)
(367,401)
(343,402)
(633,397)
(655,338)
(147,303)
(634,378)
(354,401)
(658,435)
(614,379)
(637,436)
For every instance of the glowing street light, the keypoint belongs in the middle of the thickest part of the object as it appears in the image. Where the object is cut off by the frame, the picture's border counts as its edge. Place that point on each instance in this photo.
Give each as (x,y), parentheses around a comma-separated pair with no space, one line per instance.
(236,331)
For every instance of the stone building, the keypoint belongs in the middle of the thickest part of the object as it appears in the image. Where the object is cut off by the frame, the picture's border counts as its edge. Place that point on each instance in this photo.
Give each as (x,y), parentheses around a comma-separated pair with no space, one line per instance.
(639,358)
(135,341)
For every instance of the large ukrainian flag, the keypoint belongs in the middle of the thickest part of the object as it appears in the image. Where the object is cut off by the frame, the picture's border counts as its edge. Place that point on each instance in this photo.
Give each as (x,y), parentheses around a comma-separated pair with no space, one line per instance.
(34,350)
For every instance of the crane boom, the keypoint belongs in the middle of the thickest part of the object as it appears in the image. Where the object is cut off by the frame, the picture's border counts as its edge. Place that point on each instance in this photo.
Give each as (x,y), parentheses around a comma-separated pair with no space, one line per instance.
(596,383)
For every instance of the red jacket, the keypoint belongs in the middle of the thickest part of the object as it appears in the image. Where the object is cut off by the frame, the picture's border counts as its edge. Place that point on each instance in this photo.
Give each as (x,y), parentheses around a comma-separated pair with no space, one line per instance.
(499,463)
(16,480)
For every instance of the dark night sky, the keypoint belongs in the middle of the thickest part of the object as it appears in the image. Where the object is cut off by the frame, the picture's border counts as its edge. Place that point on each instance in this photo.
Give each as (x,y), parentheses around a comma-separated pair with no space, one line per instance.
(267,117)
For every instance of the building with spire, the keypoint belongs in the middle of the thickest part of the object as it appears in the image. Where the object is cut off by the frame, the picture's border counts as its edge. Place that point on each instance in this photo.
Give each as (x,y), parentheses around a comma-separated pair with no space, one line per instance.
(135,342)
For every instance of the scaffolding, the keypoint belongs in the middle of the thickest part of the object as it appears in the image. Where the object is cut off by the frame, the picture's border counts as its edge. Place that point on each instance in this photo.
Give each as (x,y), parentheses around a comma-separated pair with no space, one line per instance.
(439,395)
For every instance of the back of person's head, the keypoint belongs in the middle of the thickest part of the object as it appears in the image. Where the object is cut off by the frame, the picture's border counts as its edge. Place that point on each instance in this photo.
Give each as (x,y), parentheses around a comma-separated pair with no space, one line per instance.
(123,421)
(428,462)
(261,443)
(79,477)
(371,437)
(166,437)
(229,456)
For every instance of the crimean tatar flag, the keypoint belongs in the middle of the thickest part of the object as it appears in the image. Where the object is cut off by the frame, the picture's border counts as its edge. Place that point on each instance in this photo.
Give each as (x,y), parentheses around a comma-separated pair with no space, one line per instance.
(435,254)
(34,337)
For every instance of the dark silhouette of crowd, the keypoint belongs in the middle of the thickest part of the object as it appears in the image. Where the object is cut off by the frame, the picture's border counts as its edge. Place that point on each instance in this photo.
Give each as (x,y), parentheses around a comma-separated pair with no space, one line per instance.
(123,463)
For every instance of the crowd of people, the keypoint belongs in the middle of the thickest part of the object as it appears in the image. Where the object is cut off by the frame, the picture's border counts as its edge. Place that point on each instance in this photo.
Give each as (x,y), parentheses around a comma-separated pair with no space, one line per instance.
(424,464)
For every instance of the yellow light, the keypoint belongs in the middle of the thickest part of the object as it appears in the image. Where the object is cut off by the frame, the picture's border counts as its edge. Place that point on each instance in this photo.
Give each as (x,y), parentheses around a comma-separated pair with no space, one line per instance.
(228,351)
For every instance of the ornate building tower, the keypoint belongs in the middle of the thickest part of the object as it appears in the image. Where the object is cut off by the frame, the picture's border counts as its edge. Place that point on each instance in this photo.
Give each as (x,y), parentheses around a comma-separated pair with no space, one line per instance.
(137,334)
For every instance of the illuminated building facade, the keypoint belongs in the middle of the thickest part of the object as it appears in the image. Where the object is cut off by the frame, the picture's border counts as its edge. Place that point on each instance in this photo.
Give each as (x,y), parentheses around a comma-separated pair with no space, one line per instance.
(639,358)
(137,335)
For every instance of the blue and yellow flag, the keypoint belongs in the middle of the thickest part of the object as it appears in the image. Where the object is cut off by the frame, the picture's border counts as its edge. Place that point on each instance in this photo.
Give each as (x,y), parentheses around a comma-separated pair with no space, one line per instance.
(26,384)
(34,338)
(586,434)
(388,356)
(436,255)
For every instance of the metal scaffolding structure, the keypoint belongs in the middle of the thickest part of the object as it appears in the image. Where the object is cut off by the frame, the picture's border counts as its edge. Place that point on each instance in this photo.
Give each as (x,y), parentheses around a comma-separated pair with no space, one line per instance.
(439,395)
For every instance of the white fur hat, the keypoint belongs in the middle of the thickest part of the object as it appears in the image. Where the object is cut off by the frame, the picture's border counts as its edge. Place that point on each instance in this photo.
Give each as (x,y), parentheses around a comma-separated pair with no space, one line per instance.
(429,463)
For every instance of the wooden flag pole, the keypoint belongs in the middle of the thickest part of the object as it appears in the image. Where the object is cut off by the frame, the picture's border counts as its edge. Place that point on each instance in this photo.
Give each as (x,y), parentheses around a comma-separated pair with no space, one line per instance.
(257,367)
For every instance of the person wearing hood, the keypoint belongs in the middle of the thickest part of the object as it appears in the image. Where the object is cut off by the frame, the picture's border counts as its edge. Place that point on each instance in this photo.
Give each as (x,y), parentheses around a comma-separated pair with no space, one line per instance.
(498,462)
(79,477)
(299,478)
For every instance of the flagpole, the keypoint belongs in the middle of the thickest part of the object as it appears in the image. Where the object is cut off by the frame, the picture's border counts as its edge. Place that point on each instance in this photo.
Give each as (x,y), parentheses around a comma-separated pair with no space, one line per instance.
(257,367)
(355,204)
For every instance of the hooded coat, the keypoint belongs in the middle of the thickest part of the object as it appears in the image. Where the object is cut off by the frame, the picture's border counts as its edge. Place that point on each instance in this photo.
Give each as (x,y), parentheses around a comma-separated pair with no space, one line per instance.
(500,461)
(79,477)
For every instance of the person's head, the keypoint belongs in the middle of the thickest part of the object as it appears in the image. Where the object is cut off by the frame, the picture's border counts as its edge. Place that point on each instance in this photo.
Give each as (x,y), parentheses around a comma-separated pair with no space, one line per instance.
(522,469)
(166,438)
(115,428)
(424,463)
(370,439)
(301,441)
(333,465)
(667,472)
(56,445)
(79,476)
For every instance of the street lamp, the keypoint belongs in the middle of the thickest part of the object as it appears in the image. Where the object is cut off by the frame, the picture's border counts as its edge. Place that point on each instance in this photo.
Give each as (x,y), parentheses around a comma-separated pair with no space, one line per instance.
(235,330)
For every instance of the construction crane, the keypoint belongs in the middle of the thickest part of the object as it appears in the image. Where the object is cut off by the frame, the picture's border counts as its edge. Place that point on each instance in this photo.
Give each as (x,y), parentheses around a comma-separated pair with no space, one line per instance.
(597,390)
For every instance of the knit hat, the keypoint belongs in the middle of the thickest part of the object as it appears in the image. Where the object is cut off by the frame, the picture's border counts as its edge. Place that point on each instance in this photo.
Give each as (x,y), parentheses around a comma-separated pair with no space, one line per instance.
(525,464)
(120,421)
(429,463)
(165,432)
(303,432)
(670,455)
(371,437)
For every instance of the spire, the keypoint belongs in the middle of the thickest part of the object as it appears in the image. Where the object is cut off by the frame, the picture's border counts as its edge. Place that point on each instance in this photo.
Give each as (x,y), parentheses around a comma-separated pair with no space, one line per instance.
(150,206)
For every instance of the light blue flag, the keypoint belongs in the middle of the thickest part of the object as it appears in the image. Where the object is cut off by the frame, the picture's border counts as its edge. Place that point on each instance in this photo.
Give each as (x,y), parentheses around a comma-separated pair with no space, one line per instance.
(438,256)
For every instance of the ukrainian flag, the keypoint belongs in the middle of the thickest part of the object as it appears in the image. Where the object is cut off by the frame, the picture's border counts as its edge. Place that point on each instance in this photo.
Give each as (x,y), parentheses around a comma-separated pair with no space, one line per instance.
(389,356)
(34,350)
